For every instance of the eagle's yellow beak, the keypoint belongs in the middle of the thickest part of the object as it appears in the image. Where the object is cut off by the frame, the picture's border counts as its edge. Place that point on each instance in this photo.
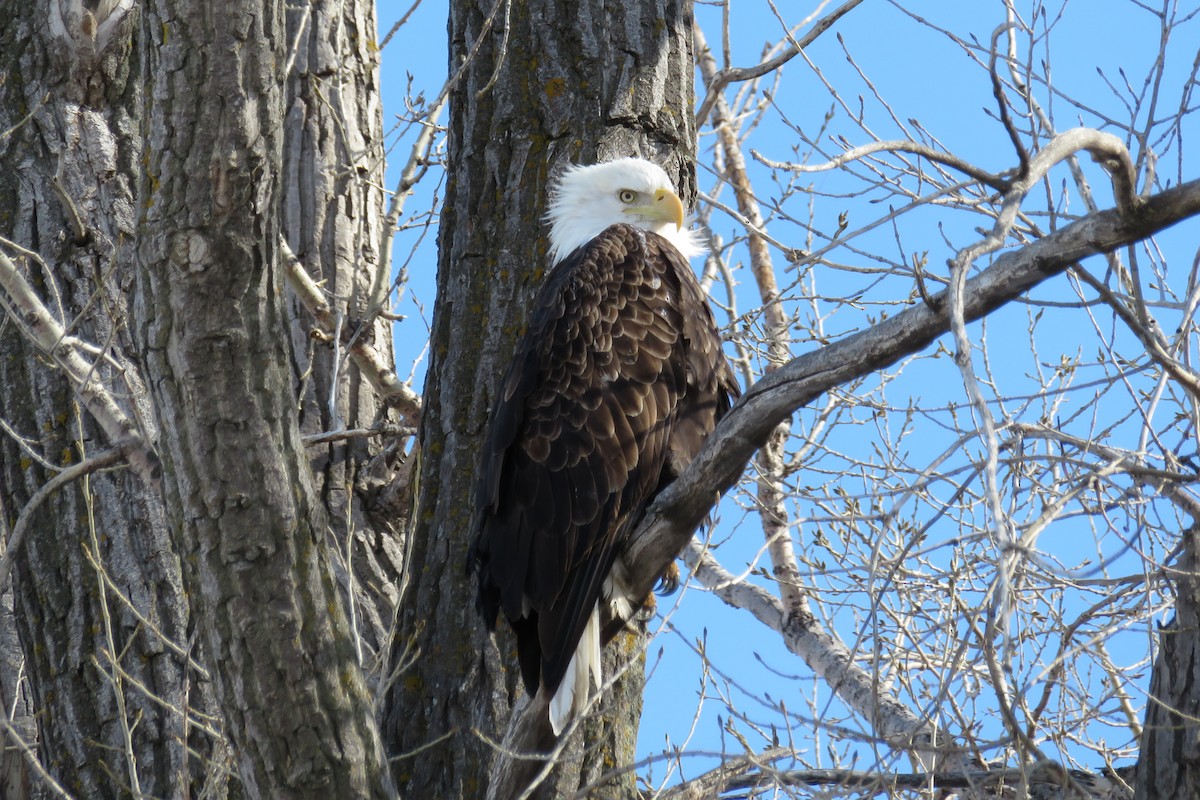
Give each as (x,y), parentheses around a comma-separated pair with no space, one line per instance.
(666,207)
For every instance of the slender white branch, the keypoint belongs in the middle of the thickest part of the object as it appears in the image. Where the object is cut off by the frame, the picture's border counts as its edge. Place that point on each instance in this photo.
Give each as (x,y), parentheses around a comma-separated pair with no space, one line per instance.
(31,758)
(1168,484)
(374,367)
(414,168)
(898,146)
(49,336)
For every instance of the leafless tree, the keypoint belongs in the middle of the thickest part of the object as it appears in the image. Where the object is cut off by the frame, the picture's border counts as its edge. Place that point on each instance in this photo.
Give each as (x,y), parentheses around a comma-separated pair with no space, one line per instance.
(972,540)
(959,490)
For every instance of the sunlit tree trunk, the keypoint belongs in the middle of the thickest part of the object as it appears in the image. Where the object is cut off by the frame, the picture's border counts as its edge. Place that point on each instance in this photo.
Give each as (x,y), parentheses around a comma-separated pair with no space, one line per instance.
(552,83)
(333,215)
(102,682)
(241,501)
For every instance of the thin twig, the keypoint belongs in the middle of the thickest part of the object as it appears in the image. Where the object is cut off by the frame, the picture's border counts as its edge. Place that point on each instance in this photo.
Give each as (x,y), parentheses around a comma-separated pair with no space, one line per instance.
(898,146)
(31,758)
(737,74)
(73,473)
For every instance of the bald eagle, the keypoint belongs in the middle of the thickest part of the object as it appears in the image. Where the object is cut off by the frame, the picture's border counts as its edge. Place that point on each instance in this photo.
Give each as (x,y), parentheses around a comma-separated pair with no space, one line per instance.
(614,386)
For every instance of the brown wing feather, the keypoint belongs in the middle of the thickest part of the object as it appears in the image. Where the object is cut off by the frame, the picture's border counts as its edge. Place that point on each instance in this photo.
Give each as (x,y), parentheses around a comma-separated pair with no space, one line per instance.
(611,392)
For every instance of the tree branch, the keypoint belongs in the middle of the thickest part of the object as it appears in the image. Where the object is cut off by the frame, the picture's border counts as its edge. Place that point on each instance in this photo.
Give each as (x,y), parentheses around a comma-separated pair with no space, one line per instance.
(374,367)
(414,169)
(73,473)
(900,146)
(677,512)
(737,74)
(49,336)
(1044,779)
(792,616)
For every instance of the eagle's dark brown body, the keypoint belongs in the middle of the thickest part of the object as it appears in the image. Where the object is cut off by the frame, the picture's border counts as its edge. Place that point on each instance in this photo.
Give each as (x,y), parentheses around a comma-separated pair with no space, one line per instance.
(611,392)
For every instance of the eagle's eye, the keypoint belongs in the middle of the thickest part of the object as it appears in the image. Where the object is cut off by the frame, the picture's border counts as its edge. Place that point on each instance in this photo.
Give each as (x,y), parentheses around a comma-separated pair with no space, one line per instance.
(627,196)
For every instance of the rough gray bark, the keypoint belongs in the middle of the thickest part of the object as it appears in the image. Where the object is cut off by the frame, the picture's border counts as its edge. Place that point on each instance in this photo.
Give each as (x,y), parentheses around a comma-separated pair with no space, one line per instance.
(333,221)
(566,82)
(67,179)
(68,191)
(1169,762)
(241,504)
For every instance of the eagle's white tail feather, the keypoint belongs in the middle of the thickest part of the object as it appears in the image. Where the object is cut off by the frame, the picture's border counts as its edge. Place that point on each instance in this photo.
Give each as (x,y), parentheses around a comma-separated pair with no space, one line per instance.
(572,695)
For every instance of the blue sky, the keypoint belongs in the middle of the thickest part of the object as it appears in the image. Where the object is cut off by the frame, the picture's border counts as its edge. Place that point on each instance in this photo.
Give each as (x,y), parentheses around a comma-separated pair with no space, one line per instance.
(1092,48)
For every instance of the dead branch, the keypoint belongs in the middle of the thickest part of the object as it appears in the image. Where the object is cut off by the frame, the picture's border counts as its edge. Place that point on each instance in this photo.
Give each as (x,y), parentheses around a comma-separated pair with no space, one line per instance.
(73,473)
(737,74)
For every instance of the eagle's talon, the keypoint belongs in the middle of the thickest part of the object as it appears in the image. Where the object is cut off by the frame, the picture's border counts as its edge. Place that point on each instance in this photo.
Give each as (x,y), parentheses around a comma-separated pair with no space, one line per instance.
(668,582)
(648,609)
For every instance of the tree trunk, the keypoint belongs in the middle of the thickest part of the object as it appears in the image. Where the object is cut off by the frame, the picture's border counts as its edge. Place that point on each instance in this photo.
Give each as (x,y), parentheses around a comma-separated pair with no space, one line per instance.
(566,83)
(68,178)
(241,504)
(104,684)
(333,220)
(1169,762)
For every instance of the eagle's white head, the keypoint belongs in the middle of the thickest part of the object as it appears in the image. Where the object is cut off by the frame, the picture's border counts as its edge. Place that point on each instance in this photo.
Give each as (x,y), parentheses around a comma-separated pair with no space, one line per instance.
(587,199)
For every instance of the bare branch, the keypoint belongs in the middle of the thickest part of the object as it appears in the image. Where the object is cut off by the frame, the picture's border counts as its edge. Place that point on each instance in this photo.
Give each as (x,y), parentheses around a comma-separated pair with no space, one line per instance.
(358,433)
(1147,334)
(73,473)
(736,74)
(821,650)
(398,24)
(1165,482)
(678,511)
(916,148)
(1050,779)
(370,361)
(50,337)
(409,175)
(31,758)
